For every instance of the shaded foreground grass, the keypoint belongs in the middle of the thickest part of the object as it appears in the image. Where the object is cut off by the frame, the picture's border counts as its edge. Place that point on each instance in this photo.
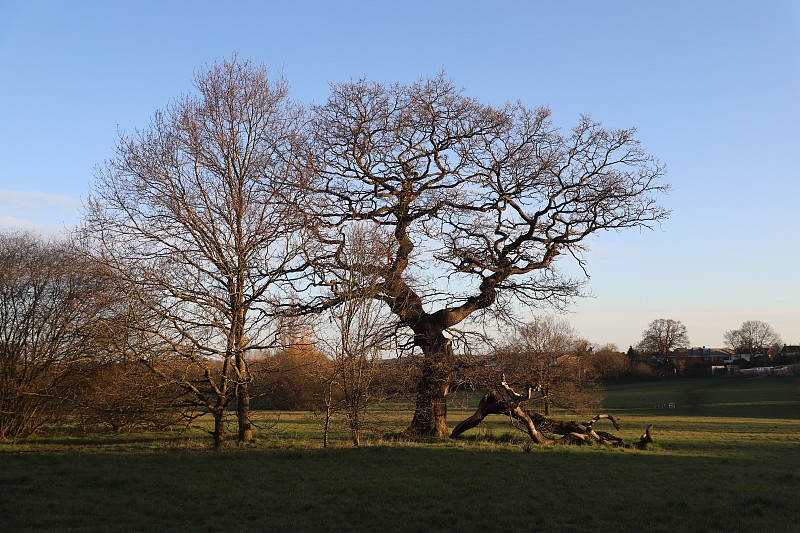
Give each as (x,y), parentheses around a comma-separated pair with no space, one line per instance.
(705,473)
(397,489)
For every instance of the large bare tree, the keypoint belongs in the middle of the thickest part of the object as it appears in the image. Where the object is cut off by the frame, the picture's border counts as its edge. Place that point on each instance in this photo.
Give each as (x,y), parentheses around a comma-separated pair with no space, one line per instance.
(476,203)
(200,215)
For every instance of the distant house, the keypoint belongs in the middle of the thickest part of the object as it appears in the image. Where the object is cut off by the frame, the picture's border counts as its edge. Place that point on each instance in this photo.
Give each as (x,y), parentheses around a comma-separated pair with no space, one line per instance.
(703,360)
(789,355)
(706,354)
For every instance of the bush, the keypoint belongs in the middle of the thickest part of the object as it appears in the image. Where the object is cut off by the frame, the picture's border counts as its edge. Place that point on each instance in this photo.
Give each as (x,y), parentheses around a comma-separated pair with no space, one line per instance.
(292,378)
(52,302)
(640,371)
(129,396)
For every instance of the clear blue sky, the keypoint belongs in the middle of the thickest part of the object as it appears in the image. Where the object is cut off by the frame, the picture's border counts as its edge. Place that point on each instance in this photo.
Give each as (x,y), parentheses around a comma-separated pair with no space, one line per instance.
(713,87)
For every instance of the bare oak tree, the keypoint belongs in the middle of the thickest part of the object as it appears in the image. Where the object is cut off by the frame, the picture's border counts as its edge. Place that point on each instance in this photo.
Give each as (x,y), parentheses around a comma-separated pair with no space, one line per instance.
(753,337)
(663,336)
(476,203)
(199,214)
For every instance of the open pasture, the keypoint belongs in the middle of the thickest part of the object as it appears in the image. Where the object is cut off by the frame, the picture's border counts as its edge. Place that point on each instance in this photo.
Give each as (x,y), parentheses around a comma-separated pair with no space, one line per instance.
(710,470)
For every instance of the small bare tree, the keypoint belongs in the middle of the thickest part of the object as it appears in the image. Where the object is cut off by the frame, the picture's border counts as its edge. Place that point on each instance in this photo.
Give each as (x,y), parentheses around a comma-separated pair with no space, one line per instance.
(546,355)
(360,327)
(200,215)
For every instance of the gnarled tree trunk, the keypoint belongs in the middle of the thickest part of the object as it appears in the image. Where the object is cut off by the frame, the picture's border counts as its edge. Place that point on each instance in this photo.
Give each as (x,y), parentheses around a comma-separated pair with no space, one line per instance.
(430,410)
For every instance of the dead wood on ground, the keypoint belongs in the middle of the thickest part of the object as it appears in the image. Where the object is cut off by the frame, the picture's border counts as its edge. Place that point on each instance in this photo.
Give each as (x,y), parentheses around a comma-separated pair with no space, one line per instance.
(540,428)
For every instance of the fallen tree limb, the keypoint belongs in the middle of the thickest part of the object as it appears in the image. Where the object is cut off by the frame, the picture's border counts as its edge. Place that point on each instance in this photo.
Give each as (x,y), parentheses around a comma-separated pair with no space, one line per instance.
(508,403)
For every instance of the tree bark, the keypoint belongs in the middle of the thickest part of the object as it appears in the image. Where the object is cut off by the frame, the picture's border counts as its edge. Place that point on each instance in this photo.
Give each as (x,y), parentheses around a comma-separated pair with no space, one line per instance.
(219,430)
(430,410)
(356,435)
(242,384)
(243,412)
(327,395)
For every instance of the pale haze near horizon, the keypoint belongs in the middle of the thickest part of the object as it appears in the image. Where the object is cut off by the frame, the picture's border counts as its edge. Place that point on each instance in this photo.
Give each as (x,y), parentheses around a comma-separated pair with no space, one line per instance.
(713,88)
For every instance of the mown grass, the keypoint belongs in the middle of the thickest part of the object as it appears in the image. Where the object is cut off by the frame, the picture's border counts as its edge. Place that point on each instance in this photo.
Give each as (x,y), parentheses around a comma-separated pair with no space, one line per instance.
(705,473)
(719,397)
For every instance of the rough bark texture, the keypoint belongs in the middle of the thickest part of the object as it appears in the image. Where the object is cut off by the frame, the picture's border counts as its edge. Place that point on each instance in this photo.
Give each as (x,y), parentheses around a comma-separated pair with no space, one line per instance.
(430,410)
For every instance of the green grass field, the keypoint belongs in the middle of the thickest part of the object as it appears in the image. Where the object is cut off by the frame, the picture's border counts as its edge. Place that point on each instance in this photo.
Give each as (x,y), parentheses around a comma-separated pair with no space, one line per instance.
(726,459)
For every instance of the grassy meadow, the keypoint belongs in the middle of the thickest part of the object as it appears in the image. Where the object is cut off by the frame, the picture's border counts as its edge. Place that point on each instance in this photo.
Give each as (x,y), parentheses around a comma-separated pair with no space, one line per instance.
(725,459)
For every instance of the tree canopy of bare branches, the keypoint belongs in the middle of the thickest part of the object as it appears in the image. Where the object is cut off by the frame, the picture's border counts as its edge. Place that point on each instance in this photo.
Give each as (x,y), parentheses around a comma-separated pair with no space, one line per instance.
(360,330)
(475,204)
(546,354)
(662,336)
(52,303)
(753,337)
(200,215)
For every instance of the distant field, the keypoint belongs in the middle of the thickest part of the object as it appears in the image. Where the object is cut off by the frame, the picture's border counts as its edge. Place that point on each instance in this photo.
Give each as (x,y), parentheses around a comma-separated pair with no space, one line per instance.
(722,397)
(726,459)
